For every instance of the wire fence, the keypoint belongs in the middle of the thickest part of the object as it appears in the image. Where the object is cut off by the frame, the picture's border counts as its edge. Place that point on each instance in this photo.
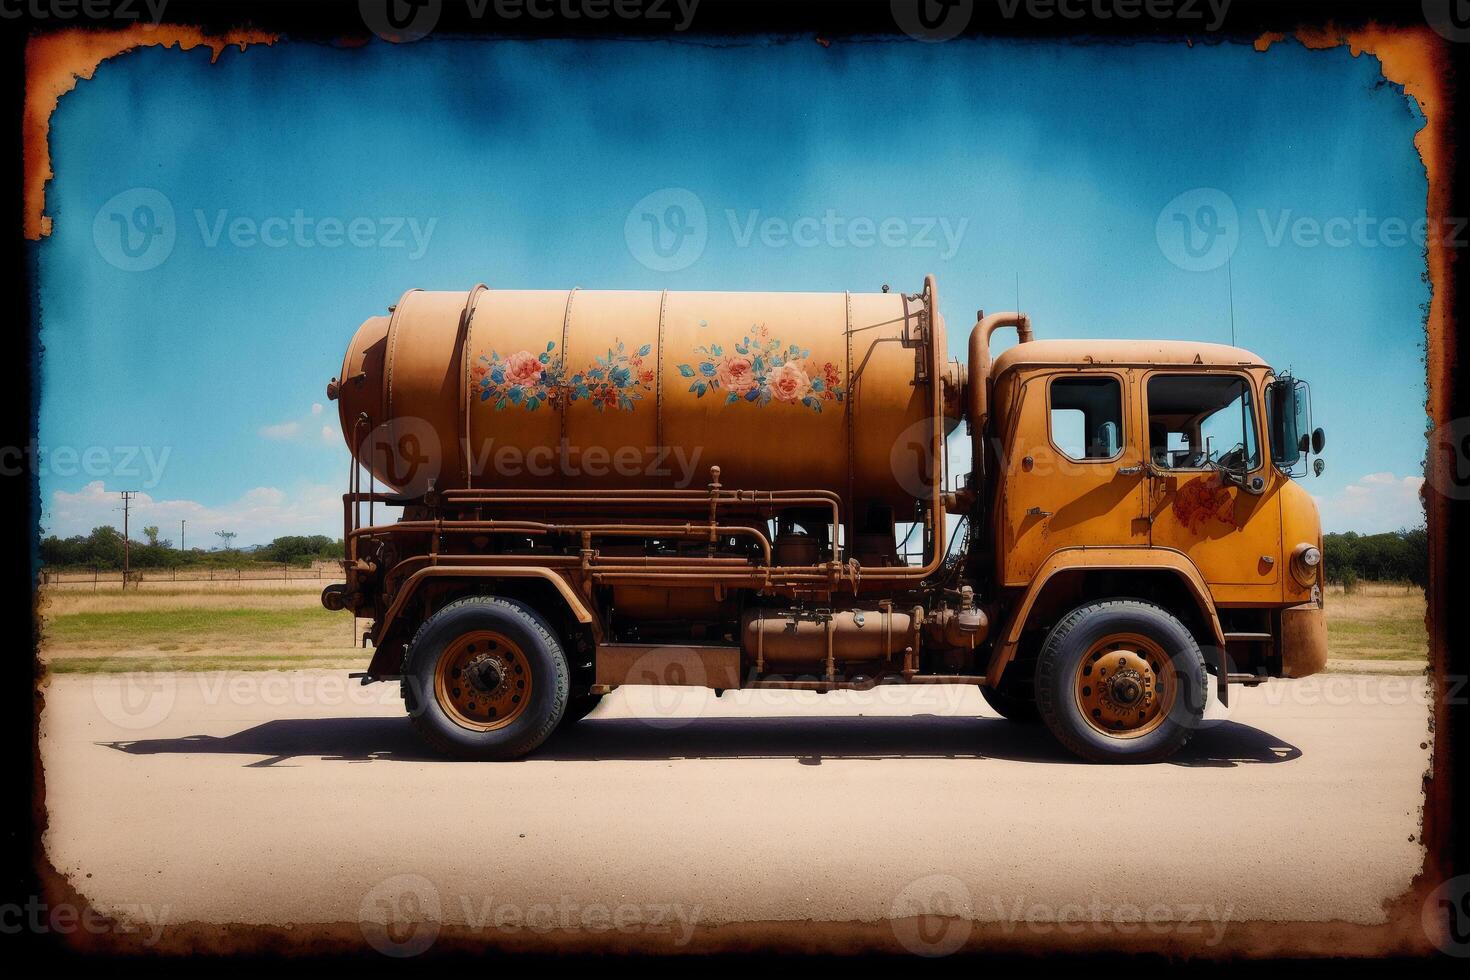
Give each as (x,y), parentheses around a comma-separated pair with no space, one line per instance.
(98,578)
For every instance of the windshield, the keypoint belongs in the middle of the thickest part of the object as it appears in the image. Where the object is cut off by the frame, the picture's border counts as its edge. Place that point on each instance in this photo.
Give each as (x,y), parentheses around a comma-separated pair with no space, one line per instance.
(1201,420)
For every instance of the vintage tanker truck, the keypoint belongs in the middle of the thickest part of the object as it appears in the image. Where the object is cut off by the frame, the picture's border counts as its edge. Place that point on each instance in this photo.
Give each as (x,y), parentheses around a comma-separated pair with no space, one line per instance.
(750,490)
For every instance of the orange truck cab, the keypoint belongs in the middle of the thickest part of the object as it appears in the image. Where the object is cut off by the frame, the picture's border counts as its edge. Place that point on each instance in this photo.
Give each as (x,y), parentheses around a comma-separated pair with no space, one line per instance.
(749,490)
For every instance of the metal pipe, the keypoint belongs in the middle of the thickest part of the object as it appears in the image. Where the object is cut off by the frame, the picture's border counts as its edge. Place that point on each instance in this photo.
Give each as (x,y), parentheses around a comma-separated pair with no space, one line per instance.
(980,336)
(936,449)
(538,527)
(979,384)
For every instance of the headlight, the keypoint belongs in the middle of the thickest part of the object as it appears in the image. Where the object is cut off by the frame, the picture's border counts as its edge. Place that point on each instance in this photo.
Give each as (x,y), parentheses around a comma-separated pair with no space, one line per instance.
(1305,561)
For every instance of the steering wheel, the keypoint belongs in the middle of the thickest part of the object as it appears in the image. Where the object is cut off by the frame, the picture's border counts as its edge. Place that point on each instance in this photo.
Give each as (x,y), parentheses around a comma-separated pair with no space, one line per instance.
(1233,458)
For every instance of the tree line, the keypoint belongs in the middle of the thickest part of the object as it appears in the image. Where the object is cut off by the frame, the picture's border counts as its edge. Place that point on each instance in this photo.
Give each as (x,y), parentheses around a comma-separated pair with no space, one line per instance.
(1395,556)
(103,548)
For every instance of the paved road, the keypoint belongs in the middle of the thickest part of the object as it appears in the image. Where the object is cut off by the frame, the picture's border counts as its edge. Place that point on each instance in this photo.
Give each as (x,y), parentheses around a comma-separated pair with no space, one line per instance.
(272,798)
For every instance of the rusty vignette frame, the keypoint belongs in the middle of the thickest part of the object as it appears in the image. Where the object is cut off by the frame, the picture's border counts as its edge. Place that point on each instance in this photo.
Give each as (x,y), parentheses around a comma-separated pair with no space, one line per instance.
(49,58)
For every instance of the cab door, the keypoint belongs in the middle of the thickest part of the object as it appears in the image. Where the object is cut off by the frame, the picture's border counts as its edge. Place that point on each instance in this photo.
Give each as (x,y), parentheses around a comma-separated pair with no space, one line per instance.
(1198,423)
(1072,470)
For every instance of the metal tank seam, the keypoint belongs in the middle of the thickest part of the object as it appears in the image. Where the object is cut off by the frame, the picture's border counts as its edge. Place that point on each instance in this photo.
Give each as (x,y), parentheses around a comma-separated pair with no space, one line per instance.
(468,317)
(564,403)
(658,391)
(849,414)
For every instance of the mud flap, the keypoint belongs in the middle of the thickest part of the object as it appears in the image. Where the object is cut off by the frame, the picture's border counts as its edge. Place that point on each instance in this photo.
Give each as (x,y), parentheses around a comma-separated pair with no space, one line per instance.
(1222,678)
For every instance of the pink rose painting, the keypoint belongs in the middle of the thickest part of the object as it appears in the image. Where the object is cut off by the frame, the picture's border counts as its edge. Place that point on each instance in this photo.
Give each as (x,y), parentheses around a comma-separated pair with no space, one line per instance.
(789,383)
(530,380)
(761,370)
(522,368)
(735,374)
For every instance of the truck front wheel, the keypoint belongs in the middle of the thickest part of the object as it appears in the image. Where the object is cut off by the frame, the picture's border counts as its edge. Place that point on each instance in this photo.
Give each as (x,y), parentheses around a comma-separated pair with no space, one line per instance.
(485,679)
(1121,681)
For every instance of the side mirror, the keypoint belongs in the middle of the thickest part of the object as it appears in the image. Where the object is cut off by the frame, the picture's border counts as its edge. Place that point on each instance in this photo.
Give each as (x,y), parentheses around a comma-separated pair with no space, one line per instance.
(1319,439)
(1318,465)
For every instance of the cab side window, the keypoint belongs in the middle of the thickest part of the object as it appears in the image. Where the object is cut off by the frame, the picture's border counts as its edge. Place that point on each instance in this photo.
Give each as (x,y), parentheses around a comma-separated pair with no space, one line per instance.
(1087,417)
(1199,421)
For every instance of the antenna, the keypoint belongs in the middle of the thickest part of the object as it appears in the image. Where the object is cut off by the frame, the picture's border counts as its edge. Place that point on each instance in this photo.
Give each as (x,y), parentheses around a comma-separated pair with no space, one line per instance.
(1230,286)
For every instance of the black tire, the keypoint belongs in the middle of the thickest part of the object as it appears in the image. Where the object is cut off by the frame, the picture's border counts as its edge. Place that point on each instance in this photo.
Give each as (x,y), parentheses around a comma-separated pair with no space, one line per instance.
(1058,681)
(1009,702)
(580,704)
(542,654)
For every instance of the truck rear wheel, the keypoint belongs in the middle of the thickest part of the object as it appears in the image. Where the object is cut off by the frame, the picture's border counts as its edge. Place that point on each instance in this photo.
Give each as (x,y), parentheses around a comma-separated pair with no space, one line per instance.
(485,679)
(1121,681)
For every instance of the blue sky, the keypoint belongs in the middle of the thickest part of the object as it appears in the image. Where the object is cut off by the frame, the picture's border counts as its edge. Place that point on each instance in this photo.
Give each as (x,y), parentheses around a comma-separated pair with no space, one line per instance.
(197,367)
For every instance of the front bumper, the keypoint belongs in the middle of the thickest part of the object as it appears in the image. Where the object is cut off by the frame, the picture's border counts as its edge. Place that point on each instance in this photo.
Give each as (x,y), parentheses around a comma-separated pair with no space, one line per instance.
(1303,639)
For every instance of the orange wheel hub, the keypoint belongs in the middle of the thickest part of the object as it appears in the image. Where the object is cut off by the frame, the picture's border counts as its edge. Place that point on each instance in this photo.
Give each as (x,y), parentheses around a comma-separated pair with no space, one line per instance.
(483,681)
(1125,686)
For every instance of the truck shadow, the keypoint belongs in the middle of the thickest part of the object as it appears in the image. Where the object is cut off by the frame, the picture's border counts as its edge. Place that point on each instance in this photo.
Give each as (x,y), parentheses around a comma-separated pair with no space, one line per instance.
(805,740)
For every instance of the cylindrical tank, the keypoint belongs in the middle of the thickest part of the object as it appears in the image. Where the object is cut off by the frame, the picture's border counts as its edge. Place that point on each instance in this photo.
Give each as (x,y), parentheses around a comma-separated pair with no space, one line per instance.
(587,388)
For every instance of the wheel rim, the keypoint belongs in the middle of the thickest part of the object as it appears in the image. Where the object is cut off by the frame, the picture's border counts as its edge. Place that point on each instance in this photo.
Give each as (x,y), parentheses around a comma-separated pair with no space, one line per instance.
(1125,686)
(483,681)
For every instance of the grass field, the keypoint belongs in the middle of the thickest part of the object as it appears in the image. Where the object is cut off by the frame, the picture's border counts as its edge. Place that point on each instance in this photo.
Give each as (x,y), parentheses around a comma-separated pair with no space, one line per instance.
(214,627)
(1376,622)
(196,628)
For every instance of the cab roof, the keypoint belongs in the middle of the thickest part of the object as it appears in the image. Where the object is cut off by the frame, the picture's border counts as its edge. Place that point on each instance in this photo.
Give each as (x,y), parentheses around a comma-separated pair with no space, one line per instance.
(1125,352)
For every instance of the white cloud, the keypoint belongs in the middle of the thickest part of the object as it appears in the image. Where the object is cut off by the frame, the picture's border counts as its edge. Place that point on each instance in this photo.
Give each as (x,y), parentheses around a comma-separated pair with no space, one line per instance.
(257,516)
(1374,503)
(306,428)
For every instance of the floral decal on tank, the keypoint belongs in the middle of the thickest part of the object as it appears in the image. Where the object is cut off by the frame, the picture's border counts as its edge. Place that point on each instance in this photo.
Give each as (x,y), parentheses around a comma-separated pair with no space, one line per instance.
(615,380)
(760,369)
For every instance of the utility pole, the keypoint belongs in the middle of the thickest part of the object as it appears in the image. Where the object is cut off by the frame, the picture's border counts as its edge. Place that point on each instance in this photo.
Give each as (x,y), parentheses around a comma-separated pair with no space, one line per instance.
(127,497)
(226,537)
(181,534)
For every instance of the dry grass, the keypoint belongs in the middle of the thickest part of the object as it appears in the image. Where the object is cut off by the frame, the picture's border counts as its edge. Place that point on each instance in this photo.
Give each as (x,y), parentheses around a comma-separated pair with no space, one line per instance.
(195,629)
(1377,621)
(215,627)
